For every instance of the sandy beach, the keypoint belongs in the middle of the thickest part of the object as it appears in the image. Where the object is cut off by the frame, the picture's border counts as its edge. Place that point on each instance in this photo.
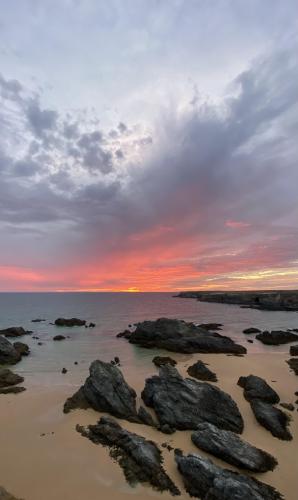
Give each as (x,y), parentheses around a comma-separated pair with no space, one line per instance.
(46,458)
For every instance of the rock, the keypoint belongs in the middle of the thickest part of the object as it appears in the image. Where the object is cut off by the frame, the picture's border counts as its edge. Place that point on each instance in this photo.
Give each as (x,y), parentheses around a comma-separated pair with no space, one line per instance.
(92,325)
(140,459)
(276,337)
(106,390)
(8,354)
(77,401)
(11,390)
(200,371)
(13,331)
(7,377)
(205,480)
(211,326)
(273,419)
(293,364)
(4,495)
(70,322)
(257,388)
(230,447)
(146,417)
(163,360)
(288,406)
(64,370)
(59,337)
(179,336)
(294,350)
(184,403)
(75,362)
(251,330)
(250,341)
(37,320)
(125,334)
(21,348)
(117,360)
(39,343)
(167,429)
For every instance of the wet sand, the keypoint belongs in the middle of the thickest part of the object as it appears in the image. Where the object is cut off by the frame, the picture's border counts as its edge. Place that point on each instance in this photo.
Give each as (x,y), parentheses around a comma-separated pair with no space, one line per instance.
(63,465)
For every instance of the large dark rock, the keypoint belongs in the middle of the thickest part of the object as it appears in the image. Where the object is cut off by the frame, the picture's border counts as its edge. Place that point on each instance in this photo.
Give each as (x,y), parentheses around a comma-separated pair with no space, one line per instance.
(205,480)
(106,390)
(251,330)
(184,403)
(21,348)
(273,419)
(277,337)
(140,459)
(257,388)
(7,378)
(294,350)
(146,417)
(293,364)
(163,360)
(13,331)
(12,390)
(201,372)
(70,322)
(178,336)
(230,447)
(4,495)
(8,354)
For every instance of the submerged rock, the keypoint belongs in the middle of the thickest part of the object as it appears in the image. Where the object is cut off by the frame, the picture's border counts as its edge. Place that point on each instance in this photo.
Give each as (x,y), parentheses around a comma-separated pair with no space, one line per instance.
(8,354)
(277,337)
(163,360)
(294,350)
(106,390)
(140,459)
(205,480)
(7,378)
(21,348)
(37,320)
(293,364)
(201,372)
(70,322)
(251,330)
(257,388)
(184,403)
(13,331)
(230,447)
(178,336)
(273,419)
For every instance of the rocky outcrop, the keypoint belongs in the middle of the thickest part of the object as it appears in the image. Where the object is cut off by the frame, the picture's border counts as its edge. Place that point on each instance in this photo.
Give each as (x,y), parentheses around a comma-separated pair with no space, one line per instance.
(204,480)
(179,336)
(105,390)
(273,419)
(12,390)
(8,354)
(21,348)
(277,337)
(293,364)
(14,331)
(163,360)
(146,417)
(201,372)
(251,330)
(4,495)
(257,388)
(140,459)
(230,447)
(184,403)
(294,350)
(8,378)
(211,326)
(69,322)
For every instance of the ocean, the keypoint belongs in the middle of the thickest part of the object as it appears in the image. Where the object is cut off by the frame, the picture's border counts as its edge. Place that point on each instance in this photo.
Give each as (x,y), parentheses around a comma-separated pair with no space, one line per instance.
(112,313)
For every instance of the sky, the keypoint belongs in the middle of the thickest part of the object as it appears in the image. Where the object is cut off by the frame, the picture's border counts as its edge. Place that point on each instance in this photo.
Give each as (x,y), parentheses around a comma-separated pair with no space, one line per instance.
(148,145)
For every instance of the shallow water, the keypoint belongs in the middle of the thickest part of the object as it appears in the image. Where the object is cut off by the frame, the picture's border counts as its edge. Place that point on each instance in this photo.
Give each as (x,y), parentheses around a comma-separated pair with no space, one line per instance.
(113,312)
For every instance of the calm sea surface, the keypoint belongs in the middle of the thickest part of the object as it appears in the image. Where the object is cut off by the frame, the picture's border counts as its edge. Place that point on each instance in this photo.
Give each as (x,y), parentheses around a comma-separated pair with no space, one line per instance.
(113,312)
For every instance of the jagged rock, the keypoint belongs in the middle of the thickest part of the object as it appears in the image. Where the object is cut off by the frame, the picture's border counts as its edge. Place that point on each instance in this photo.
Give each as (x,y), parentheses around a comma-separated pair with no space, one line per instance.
(37,320)
(201,372)
(251,330)
(70,322)
(273,419)
(293,364)
(178,336)
(59,337)
(11,390)
(211,326)
(288,406)
(163,360)
(125,334)
(7,378)
(8,354)
(14,331)
(146,417)
(184,403)
(294,350)
(140,459)
(21,348)
(257,388)
(230,447)
(77,401)
(106,390)
(205,480)
(4,495)
(276,337)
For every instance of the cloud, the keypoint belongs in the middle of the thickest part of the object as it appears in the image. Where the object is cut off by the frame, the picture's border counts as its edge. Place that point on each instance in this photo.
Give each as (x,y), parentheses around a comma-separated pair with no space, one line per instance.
(40,120)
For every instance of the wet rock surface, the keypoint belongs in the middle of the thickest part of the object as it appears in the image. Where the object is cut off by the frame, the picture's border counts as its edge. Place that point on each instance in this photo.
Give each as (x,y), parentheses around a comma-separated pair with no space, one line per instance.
(200,371)
(8,354)
(14,331)
(146,417)
(277,337)
(140,459)
(205,480)
(70,322)
(179,336)
(21,348)
(9,378)
(184,403)
(230,447)
(273,419)
(163,360)
(257,388)
(106,390)
(293,364)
